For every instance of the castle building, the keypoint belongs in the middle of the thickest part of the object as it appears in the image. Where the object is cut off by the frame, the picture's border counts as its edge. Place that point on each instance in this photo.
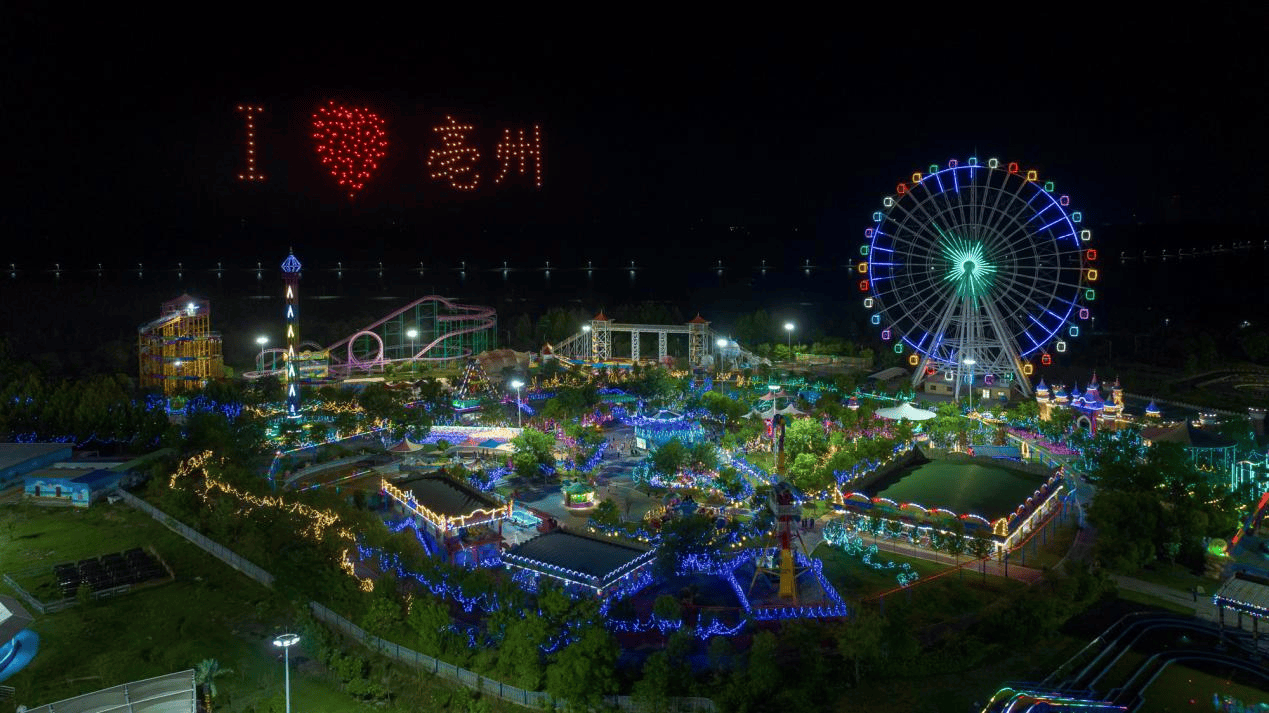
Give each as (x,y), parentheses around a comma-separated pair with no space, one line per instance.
(1089,408)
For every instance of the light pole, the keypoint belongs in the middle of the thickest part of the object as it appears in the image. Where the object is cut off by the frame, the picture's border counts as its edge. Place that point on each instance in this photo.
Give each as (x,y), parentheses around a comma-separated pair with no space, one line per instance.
(970,362)
(722,344)
(286,641)
(516,385)
(412,334)
(262,340)
(788,327)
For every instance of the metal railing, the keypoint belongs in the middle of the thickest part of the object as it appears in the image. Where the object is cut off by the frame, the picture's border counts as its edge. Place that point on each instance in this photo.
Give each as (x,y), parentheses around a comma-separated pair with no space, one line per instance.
(211,547)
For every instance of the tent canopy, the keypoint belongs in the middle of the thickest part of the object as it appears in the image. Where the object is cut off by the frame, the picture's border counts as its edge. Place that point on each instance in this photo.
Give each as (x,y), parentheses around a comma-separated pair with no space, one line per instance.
(908,411)
(405,446)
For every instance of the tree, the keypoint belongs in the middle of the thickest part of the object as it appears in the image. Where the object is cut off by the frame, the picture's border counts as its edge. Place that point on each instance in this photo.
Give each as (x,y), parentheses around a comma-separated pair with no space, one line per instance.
(652,690)
(806,473)
(702,457)
(1128,526)
(383,616)
(520,653)
(805,436)
(981,547)
(956,543)
(670,458)
(723,408)
(585,671)
(429,618)
(683,537)
(606,513)
(534,450)
(859,641)
(667,607)
(205,674)
(764,670)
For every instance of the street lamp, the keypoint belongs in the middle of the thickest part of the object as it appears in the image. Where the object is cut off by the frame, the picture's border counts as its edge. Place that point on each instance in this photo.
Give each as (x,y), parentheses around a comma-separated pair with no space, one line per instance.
(286,641)
(262,340)
(412,334)
(516,385)
(788,327)
(970,362)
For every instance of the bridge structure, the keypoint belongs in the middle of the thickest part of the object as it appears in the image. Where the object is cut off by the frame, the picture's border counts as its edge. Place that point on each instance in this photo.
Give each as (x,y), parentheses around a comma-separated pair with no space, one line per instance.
(431,330)
(593,344)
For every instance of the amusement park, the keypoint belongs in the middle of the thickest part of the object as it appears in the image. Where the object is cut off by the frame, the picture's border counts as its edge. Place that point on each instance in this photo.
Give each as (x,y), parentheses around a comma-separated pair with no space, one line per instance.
(657,517)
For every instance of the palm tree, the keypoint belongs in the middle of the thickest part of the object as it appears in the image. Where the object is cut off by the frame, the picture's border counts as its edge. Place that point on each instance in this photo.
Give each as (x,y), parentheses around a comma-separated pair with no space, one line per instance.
(205,673)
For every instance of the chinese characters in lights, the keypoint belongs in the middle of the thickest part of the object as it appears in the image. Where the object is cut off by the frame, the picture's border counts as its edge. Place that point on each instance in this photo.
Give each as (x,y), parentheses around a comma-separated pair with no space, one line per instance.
(250,113)
(454,161)
(350,142)
(520,150)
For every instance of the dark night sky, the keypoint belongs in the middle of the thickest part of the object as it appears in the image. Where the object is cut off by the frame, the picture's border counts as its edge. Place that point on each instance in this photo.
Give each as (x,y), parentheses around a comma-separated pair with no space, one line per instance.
(122,144)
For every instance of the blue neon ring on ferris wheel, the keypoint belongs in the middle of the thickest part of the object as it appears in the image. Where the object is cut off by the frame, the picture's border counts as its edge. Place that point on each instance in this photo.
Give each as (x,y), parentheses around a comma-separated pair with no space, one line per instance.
(1046,270)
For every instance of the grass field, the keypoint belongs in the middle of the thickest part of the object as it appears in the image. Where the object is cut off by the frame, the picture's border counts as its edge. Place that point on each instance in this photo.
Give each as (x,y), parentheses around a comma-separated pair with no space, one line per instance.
(209,611)
(988,491)
(1180,688)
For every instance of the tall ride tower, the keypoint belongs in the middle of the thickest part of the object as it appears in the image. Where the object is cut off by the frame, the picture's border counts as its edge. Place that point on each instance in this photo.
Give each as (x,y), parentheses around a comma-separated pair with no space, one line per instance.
(291,276)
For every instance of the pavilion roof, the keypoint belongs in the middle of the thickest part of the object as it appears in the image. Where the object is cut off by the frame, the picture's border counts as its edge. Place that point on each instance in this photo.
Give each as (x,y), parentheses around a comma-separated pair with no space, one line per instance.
(591,558)
(1244,593)
(446,496)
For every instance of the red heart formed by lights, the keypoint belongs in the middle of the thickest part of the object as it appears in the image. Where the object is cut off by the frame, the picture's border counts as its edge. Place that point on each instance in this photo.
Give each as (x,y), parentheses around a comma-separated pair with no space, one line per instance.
(350,142)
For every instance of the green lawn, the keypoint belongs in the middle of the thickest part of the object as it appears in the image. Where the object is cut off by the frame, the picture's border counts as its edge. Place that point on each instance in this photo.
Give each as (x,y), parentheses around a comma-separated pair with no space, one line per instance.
(856,581)
(988,491)
(209,611)
(1180,688)
(1155,602)
(1175,576)
(1052,550)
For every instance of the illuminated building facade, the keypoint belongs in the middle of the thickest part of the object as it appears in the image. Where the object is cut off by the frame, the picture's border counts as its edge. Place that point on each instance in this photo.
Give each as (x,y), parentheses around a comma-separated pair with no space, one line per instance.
(1090,410)
(178,351)
(291,377)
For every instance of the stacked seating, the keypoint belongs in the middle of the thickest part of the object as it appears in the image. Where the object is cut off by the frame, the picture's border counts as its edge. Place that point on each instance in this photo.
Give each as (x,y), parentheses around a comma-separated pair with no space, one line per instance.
(132,567)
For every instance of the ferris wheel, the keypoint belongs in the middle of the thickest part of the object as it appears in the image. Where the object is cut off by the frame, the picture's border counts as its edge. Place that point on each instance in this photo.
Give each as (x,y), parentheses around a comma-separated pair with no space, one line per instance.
(977,270)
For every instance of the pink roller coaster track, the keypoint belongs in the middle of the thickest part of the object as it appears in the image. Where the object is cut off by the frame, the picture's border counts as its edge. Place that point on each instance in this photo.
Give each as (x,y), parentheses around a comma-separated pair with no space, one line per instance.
(485,315)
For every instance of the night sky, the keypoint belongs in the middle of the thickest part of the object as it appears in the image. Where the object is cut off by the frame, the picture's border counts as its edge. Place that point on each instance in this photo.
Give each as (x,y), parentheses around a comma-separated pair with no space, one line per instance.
(124,142)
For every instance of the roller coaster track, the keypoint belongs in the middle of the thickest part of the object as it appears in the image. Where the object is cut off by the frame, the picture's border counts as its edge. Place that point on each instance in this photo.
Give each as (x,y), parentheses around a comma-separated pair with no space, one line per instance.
(484,316)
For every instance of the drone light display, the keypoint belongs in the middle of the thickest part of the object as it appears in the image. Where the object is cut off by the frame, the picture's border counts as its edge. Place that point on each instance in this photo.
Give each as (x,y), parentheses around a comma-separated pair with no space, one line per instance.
(250,112)
(351,142)
(453,162)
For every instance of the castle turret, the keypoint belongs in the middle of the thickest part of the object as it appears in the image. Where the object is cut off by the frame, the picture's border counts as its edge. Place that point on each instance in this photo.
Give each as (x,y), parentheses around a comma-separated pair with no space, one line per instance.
(1060,396)
(1152,411)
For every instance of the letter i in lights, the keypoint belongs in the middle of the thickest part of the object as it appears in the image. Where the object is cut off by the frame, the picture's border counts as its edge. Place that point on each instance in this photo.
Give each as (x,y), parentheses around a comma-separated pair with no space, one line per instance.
(291,276)
(251,112)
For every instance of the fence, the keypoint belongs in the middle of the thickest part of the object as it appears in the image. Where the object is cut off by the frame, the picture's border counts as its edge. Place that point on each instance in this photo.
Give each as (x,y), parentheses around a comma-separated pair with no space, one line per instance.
(485,685)
(212,548)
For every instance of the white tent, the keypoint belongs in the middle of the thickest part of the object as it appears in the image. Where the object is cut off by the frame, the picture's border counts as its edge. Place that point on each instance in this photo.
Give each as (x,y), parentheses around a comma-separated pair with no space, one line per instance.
(906,410)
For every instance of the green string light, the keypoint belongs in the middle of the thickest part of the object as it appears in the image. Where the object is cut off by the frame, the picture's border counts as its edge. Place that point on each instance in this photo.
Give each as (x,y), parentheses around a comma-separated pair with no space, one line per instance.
(967,265)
